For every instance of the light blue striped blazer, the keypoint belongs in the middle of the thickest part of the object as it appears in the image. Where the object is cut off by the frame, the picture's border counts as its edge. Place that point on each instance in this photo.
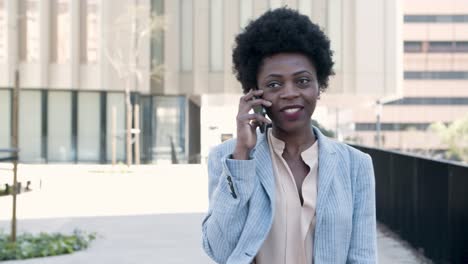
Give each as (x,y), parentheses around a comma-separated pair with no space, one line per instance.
(241,195)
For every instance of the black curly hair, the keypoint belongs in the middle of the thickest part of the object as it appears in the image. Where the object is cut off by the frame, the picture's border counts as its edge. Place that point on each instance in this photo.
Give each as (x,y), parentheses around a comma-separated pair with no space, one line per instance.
(277,31)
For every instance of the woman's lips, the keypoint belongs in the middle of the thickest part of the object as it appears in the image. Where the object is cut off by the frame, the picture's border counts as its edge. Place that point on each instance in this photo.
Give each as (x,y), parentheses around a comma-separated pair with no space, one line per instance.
(292,114)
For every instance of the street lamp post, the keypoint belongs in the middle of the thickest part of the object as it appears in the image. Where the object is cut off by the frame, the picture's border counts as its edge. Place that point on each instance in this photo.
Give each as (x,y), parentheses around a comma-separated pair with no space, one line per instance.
(378,114)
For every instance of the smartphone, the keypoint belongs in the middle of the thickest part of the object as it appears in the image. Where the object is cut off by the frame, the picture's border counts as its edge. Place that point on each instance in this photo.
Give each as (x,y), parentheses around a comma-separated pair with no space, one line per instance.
(260,109)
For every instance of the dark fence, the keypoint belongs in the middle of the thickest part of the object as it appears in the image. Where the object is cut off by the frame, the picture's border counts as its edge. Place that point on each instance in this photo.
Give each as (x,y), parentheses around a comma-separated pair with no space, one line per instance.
(424,201)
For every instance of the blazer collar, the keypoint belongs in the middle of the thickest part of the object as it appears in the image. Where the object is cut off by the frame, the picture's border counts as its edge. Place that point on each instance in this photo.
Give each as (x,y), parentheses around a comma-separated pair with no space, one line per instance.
(326,170)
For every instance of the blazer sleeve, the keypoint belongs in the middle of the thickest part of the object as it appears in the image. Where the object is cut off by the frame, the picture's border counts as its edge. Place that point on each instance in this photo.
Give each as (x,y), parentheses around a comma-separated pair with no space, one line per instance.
(231,184)
(363,247)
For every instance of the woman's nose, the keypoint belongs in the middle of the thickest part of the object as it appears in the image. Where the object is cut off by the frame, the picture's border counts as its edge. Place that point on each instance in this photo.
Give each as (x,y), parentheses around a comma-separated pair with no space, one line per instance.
(289,91)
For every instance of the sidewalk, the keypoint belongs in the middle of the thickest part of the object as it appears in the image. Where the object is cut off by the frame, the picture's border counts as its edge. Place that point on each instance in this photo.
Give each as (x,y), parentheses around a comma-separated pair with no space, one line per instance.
(150,214)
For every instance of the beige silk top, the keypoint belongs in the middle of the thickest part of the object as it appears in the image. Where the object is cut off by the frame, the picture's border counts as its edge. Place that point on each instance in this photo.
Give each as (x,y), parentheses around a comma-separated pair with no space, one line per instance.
(290,239)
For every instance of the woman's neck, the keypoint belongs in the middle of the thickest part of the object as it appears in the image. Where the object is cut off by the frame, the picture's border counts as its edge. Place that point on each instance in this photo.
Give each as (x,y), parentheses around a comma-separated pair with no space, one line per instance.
(295,142)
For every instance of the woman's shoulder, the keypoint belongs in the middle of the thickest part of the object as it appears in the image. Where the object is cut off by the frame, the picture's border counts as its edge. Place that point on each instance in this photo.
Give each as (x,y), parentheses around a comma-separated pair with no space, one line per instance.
(226,147)
(348,152)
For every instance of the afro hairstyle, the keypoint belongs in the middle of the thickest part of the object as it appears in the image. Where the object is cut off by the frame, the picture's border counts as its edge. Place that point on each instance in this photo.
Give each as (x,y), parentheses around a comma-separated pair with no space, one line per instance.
(278,31)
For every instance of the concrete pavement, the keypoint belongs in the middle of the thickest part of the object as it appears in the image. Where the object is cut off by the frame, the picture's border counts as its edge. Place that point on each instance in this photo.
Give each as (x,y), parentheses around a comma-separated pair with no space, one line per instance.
(146,214)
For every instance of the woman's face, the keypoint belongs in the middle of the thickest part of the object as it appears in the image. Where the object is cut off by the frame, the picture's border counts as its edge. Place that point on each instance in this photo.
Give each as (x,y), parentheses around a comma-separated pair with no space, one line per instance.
(289,82)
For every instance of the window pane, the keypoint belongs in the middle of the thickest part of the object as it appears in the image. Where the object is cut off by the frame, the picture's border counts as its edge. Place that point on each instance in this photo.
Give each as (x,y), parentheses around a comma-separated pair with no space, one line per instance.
(216,35)
(2,31)
(157,40)
(29,26)
(305,7)
(461,46)
(117,100)
(440,46)
(59,126)
(30,124)
(413,46)
(436,18)
(88,126)
(60,52)
(446,75)
(186,36)
(170,127)
(5,118)
(90,31)
(246,12)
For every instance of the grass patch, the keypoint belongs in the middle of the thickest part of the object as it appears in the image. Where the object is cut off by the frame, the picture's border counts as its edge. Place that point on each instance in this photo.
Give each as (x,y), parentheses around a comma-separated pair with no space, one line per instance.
(43,244)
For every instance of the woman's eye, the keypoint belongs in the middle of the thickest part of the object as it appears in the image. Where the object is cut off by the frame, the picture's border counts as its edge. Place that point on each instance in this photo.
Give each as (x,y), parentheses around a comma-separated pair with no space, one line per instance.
(273,85)
(303,81)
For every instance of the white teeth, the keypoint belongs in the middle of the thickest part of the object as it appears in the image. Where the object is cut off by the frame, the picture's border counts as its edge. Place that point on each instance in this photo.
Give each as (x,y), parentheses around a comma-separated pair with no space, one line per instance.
(292,110)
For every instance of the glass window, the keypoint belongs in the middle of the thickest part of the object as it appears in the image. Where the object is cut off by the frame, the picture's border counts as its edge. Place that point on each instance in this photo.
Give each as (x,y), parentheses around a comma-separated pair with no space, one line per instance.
(441,46)
(3,32)
(413,46)
(60,31)
(59,125)
(186,36)
(246,12)
(30,126)
(89,126)
(89,51)
(426,75)
(5,118)
(430,101)
(436,18)
(29,30)
(305,7)
(461,46)
(116,100)
(216,35)
(157,40)
(146,126)
(392,126)
(169,127)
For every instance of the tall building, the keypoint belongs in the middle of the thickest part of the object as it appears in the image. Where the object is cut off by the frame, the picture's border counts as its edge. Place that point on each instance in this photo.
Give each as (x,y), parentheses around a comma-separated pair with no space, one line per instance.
(435,38)
(76,58)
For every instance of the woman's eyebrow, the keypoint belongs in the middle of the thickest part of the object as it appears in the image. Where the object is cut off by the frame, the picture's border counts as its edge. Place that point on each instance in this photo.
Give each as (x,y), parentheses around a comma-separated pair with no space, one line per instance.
(300,72)
(274,75)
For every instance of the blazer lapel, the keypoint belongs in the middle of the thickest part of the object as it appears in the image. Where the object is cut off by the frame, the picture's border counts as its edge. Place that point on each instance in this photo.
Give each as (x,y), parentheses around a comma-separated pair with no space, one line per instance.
(326,171)
(264,166)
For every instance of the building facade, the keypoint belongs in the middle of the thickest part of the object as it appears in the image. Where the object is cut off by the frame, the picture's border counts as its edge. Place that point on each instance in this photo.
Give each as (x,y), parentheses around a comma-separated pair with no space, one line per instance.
(76,59)
(435,61)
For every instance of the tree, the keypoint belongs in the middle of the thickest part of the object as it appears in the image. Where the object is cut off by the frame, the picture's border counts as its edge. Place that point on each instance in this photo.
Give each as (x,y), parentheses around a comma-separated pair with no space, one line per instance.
(455,137)
(125,39)
(322,129)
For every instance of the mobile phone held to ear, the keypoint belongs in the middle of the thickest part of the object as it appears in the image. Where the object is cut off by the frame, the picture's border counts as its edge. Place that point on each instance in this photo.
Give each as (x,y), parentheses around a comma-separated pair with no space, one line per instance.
(259,109)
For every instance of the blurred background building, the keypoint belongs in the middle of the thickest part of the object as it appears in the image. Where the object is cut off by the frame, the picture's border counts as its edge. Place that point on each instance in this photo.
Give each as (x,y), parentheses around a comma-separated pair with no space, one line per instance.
(435,63)
(76,59)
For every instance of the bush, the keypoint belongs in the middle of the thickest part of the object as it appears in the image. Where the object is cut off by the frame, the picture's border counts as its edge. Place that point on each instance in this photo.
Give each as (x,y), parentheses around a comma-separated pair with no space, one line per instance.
(43,244)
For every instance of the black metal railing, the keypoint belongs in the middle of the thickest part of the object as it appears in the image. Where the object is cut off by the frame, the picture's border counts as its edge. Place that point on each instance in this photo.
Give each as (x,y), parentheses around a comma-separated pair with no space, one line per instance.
(425,201)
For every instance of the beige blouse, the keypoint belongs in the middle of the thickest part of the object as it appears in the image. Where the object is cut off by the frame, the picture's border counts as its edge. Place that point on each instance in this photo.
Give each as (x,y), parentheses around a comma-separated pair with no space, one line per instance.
(290,239)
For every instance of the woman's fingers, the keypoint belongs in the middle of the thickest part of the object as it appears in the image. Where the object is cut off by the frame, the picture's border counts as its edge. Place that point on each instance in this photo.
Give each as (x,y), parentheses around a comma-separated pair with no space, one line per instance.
(247,97)
(248,101)
(253,118)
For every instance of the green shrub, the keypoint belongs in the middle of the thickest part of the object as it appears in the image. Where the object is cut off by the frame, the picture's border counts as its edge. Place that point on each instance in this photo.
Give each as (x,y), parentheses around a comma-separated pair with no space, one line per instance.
(43,244)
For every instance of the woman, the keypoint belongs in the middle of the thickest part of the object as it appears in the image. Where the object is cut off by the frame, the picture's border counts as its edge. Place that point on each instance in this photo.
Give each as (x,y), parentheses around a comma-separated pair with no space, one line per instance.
(289,195)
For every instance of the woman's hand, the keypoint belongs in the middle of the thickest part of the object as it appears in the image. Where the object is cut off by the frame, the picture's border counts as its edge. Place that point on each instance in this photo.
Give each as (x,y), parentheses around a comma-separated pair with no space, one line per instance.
(247,123)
